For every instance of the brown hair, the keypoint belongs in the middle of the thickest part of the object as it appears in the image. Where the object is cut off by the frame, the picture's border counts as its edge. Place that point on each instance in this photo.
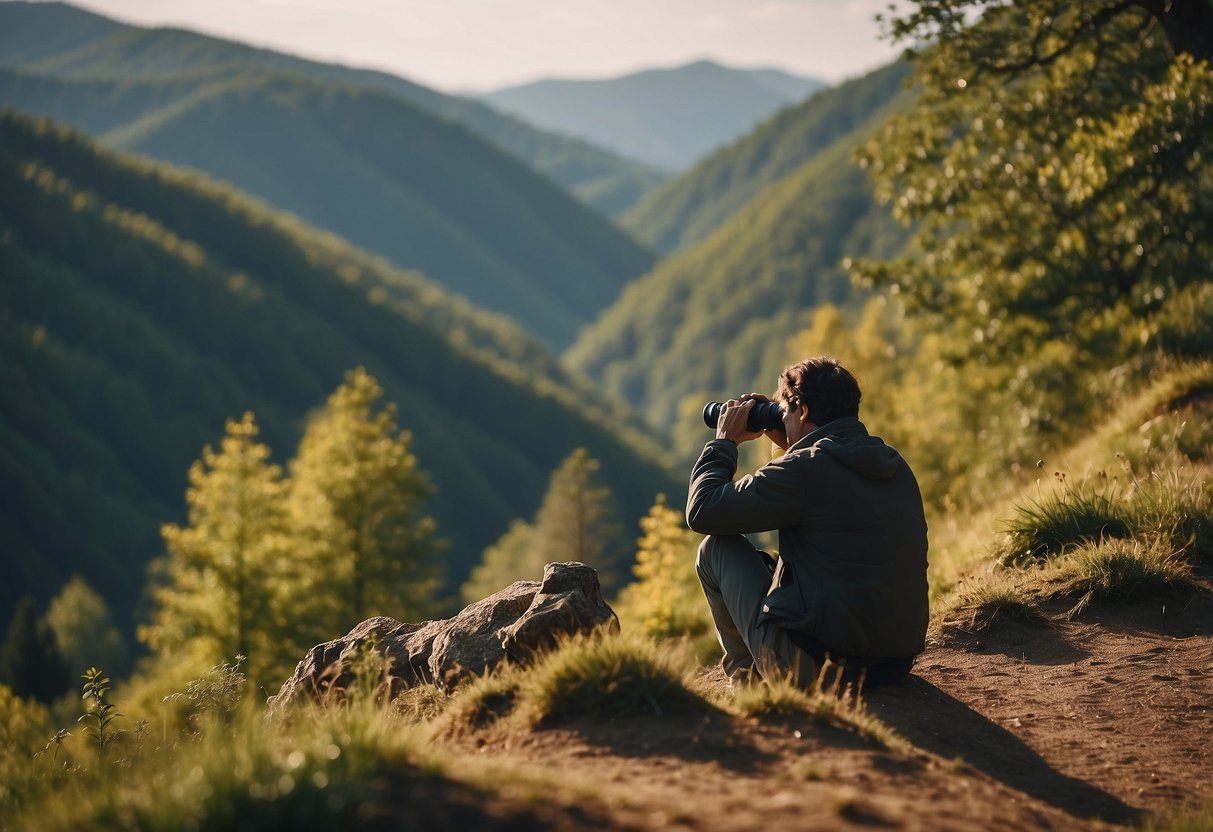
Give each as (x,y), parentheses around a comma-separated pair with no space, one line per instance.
(825,386)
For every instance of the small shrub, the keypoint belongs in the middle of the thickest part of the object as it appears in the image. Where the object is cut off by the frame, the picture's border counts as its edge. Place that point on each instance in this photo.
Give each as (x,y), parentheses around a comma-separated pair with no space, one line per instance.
(1119,570)
(1177,510)
(1072,515)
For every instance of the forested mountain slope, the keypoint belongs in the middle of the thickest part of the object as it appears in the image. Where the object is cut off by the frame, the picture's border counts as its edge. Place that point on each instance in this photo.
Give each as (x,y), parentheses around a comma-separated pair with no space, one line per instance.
(668,118)
(375,169)
(716,319)
(144,305)
(59,39)
(689,207)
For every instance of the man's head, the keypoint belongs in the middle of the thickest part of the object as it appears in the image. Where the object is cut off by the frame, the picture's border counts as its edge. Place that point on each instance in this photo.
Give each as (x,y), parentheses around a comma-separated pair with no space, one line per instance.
(822,385)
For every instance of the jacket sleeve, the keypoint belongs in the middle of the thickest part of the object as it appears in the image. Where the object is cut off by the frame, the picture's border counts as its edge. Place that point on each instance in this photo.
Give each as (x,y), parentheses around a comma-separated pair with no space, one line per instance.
(773,498)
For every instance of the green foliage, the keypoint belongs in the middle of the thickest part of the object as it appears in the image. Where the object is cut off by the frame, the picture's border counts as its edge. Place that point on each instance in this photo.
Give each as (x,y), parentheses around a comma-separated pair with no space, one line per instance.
(99,713)
(1056,168)
(666,599)
(574,522)
(30,664)
(357,498)
(84,630)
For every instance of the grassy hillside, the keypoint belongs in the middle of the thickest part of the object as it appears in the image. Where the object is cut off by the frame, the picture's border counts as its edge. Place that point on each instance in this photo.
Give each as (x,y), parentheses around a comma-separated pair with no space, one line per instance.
(668,118)
(380,172)
(689,207)
(717,318)
(59,39)
(144,305)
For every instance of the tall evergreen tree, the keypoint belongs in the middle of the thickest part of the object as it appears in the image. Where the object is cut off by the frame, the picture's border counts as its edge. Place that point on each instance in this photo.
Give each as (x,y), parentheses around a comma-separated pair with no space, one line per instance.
(221,571)
(357,498)
(576,520)
(30,663)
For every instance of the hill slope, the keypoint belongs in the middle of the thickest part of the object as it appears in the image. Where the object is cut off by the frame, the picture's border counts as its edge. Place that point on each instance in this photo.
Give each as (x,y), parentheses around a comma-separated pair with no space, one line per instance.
(690,206)
(380,172)
(59,39)
(668,118)
(143,305)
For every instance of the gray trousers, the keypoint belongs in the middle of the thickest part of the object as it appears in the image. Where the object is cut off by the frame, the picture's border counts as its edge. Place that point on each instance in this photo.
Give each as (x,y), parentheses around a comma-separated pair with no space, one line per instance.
(735,578)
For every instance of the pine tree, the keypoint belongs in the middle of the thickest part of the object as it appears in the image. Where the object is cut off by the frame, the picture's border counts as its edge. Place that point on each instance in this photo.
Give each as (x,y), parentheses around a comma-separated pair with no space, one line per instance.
(30,663)
(222,570)
(575,521)
(666,597)
(357,497)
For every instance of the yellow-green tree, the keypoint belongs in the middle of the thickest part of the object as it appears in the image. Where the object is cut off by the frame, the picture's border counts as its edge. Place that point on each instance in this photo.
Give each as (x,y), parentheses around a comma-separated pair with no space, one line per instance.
(357,500)
(84,629)
(666,598)
(1056,168)
(513,557)
(215,595)
(574,522)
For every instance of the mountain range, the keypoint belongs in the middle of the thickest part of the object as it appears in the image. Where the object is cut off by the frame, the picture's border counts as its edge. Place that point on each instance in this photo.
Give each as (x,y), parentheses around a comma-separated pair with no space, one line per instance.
(666,118)
(59,39)
(360,161)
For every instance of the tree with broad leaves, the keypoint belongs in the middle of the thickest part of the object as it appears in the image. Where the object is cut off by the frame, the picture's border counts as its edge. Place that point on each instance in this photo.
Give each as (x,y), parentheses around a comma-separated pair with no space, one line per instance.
(1058,170)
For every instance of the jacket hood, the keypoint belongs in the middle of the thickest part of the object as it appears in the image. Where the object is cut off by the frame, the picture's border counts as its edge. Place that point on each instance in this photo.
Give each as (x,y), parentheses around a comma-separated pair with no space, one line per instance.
(848,441)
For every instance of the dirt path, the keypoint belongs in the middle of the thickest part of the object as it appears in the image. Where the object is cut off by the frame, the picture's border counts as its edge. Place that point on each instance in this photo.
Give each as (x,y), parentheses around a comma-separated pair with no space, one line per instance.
(1066,726)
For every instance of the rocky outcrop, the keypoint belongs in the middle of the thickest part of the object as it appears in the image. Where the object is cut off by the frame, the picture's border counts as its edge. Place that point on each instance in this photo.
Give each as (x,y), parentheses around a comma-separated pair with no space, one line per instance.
(516,623)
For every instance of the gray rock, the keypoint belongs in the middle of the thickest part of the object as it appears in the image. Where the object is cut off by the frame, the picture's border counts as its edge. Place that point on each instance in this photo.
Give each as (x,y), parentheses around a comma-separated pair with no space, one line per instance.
(517,622)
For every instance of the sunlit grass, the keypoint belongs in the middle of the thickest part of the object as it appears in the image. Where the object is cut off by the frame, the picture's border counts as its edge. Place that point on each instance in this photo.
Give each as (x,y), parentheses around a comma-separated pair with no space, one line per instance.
(981,604)
(607,676)
(842,709)
(1121,570)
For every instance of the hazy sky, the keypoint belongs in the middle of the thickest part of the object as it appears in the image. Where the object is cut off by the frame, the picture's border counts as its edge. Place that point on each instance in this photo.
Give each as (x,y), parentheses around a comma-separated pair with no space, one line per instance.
(482,44)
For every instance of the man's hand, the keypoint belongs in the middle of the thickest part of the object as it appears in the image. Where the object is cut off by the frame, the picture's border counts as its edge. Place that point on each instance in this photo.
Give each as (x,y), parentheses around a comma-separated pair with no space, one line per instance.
(734,417)
(735,428)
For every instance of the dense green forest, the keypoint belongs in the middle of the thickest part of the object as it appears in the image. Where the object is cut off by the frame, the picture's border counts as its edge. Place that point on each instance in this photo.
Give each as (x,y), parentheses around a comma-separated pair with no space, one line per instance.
(58,39)
(687,208)
(717,318)
(144,306)
(364,163)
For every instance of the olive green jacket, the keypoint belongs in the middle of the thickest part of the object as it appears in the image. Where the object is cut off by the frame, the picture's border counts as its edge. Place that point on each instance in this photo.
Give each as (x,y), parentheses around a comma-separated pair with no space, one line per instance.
(852,536)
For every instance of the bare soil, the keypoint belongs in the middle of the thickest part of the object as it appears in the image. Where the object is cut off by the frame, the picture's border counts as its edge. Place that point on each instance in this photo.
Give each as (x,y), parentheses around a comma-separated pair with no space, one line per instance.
(1090,724)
